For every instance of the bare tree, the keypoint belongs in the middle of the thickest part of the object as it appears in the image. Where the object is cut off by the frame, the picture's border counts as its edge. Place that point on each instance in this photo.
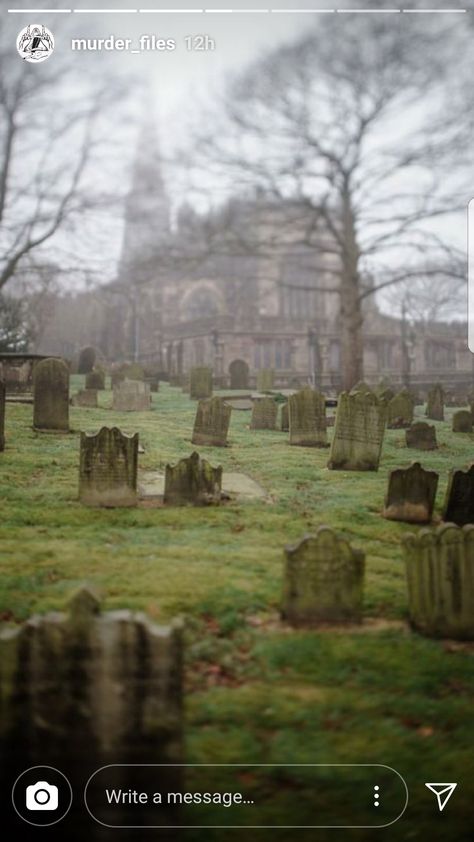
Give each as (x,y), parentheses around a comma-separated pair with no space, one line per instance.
(363,128)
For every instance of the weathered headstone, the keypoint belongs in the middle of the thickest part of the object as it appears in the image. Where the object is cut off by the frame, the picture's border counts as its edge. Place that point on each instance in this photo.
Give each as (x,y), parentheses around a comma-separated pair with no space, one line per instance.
(87,358)
(85,398)
(131,396)
(108,468)
(421,436)
(211,424)
(400,410)
(193,481)
(358,432)
(95,379)
(440,577)
(133,371)
(285,418)
(462,421)
(324,581)
(307,415)
(51,396)
(239,374)
(435,403)
(265,379)
(411,494)
(264,414)
(84,690)
(459,500)
(2,415)
(361,386)
(200,383)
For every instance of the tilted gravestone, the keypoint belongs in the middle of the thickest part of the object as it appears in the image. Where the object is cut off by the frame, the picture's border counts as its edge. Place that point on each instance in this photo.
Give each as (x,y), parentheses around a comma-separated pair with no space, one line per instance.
(131,396)
(411,494)
(95,379)
(462,421)
(358,432)
(239,374)
(285,418)
(193,481)
(459,500)
(265,379)
(87,358)
(400,410)
(85,398)
(108,468)
(435,403)
(51,396)
(200,386)
(264,414)
(2,415)
(324,581)
(83,690)
(307,415)
(440,577)
(421,436)
(211,424)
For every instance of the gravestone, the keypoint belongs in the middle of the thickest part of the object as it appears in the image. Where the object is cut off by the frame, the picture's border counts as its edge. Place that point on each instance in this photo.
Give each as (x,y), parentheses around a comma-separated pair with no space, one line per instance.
(51,396)
(2,415)
(95,379)
(108,468)
(411,494)
(211,424)
(239,374)
(84,690)
(361,386)
(131,396)
(459,500)
(86,362)
(132,371)
(421,436)
(200,386)
(193,481)
(324,580)
(400,410)
(358,432)
(307,415)
(264,414)
(435,403)
(85,398)
(265,379)
(285,418)
(440,578)
(462,421)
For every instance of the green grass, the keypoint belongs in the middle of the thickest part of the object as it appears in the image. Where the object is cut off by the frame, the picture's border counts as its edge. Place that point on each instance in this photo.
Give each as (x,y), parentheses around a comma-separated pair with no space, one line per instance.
(256,690)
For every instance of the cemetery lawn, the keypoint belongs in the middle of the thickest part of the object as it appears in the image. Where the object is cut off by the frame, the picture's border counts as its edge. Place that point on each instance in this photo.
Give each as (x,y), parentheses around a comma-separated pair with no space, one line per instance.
(256,690)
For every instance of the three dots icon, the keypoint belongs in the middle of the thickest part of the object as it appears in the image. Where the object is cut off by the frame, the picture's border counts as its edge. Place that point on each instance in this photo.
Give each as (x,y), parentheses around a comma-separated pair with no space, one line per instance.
(376,796)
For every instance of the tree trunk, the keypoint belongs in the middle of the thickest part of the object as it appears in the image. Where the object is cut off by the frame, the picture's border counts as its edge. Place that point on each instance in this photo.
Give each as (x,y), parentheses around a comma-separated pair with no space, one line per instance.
(352,349)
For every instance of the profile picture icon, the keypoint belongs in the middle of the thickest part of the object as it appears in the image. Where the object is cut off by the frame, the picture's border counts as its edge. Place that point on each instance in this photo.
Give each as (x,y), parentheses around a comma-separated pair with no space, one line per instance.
(35,43)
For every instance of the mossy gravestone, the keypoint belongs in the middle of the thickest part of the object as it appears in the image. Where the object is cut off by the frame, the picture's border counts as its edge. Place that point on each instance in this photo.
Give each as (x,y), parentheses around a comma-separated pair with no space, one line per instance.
(435,403)
(85,398)
(211,424)
(264,414)
(239,374)
(307,415)
(131,396)
(462,421)
(200,384)
(324,581)
(95,379)
(2,415)
(440,577)
(421,436)
(51,396)
(411,494)
(459,500)
(400,410)
(193,481)
(285,418)
(108,469)
(265,379)
(358,432)
(86,362)
(82,690)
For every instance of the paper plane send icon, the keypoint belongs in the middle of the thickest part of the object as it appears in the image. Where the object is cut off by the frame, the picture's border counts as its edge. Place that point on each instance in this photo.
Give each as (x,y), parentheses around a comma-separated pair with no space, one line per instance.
(443,793)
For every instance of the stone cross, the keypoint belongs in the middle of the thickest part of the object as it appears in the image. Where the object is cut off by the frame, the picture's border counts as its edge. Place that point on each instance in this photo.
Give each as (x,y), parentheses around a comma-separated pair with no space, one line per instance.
(307,415)
(108,468)
(51,396)
(411,494)
(211,424)
(324,580)
(264,414)
(440,577)
(200,383)
(459,500)
(421,436)
(358,432)
(193,481)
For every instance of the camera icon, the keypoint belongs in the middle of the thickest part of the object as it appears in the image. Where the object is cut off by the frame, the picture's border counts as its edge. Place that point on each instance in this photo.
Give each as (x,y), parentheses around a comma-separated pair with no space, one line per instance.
(41,796)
